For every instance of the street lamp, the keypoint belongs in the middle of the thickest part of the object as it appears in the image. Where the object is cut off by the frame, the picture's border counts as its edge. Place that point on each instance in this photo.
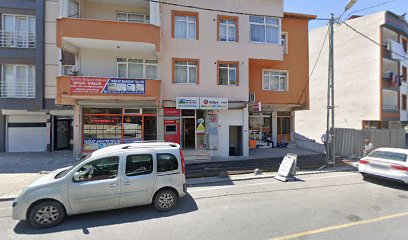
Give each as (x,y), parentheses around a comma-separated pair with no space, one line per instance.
(330,88)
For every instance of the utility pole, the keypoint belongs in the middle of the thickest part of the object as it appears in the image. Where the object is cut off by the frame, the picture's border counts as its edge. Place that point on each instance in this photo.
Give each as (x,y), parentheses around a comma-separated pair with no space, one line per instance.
(330,147)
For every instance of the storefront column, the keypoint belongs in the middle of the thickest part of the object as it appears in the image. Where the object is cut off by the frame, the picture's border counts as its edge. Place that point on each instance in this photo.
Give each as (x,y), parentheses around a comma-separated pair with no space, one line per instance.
(160,124)
(2,133)
(77,131)
(292,125)
(245,132)
(275,127)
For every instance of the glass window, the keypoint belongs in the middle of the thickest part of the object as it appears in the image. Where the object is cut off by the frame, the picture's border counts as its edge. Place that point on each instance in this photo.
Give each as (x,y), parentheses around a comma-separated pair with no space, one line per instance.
(132,17)
(284,40)
(137,165)
(394,156)
(136,68)
(227,30)
(171,129)
(101,131)
(228,74)
(275,80)
(166,162)
(17,81)
(132,129)
(18,31)
(186,72)
(102,110)
(265,29)
(185,27)
(104,168)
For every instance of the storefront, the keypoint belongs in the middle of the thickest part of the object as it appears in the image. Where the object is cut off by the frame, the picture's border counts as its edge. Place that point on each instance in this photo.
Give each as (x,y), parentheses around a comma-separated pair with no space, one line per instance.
(102,127)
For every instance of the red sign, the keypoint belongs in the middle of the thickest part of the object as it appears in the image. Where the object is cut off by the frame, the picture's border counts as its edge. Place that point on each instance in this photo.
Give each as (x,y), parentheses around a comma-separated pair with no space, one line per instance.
(103,121)
(88,85)
(172,112)
(170,122)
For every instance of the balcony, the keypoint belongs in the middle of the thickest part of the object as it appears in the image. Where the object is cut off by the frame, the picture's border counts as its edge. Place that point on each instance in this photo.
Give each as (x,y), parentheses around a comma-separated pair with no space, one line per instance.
(10,39)
(393,50)
(72,88)
(107,34)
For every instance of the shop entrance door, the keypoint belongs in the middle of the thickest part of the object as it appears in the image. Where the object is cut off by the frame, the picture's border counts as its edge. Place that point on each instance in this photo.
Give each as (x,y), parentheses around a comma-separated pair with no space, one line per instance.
(188,133)
(235,141)
(150,126)
(62,133)
(284,126)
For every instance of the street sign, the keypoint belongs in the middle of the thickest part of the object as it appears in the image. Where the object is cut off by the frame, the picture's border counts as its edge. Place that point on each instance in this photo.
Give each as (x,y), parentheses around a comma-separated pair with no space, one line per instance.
(287,169)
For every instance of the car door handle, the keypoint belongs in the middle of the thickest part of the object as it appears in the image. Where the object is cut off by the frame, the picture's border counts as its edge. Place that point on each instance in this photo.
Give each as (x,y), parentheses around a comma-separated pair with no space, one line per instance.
(113,185)
(127,183)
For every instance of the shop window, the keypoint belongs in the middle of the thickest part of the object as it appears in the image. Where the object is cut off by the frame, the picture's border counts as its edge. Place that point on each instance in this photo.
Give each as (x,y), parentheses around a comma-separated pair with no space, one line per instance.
(137,165)
(133,111)
(188,113)
(101,131)
(166,162)
(102,111)
(132,129)
(149,111)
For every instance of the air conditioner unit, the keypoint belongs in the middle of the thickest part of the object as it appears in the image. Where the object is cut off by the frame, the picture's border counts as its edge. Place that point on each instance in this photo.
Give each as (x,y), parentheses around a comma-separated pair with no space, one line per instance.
(252,97)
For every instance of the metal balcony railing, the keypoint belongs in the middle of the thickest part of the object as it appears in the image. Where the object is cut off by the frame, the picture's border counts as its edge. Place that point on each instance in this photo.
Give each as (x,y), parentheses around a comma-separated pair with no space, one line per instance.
(17,39)
(17,89)
(390,107)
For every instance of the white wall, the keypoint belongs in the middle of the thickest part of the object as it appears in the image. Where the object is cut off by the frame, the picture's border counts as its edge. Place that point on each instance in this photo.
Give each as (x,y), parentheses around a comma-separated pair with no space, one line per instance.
(357,76)
(227,118)
(51,51)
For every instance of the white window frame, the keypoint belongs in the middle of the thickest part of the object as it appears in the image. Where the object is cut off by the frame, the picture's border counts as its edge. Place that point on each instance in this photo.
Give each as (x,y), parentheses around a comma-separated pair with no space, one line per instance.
(285,42)
(3,78)
(189,64)
(146,17)
(13,34)
(227,26)
(279,42)
(188,21)
(228,67)
(269,72)
(144,66)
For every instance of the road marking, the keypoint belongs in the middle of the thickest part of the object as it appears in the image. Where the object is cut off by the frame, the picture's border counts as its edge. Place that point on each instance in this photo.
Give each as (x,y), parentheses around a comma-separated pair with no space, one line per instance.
(266,183)
(342,226)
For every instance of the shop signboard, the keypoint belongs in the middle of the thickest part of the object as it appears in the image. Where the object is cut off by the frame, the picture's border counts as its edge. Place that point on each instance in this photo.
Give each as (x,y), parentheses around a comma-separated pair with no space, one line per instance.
(256,107)
(213,131)
(211,103)
(95,85)
(171,112)
(187,103)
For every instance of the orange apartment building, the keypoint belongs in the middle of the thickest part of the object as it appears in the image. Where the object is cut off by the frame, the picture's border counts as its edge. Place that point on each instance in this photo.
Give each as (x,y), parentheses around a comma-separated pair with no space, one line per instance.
(140,70)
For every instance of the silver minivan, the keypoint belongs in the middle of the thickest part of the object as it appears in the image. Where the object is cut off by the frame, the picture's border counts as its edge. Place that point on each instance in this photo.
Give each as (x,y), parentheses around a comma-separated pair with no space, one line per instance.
(114,177)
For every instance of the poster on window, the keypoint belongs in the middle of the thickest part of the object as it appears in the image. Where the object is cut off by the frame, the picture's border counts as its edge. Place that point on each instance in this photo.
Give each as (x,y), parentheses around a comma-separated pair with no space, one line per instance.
(95,144)
(94,85)
(213,131)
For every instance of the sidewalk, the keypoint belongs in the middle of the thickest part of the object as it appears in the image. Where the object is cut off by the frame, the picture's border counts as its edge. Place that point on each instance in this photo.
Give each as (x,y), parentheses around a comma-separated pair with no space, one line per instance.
(11,184)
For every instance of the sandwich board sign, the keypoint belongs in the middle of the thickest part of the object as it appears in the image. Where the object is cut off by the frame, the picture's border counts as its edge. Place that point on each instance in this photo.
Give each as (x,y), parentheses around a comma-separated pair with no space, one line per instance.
(287,168)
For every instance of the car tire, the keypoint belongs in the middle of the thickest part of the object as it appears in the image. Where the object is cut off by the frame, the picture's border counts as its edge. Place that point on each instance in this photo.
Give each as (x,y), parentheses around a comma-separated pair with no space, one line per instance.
(46,214)
(165,200)
(365,176)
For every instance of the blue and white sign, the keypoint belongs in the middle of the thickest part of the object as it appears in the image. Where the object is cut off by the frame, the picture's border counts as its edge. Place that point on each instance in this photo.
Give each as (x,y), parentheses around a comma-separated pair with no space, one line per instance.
(125,86)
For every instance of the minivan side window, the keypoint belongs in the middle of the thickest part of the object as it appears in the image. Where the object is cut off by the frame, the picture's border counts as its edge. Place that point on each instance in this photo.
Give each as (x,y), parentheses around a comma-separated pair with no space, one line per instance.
(166,162)
(104,168)
(141,164)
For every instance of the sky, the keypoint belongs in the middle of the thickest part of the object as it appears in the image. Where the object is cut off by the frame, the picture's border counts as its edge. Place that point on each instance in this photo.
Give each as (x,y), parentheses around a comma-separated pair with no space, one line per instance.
(323,8)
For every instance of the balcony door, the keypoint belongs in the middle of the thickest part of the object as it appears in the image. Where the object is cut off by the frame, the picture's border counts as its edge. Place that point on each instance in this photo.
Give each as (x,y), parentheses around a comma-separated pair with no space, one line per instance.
(18,31)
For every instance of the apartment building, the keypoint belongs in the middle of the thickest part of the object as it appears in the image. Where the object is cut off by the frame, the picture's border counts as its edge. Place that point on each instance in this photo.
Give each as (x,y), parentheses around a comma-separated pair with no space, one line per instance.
(370,80)
(22,97)
(140,70)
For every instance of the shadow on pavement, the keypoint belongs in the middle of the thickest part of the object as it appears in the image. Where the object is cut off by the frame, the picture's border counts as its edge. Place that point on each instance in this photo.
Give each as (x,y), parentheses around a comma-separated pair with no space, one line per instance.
(387,183)
(107,218)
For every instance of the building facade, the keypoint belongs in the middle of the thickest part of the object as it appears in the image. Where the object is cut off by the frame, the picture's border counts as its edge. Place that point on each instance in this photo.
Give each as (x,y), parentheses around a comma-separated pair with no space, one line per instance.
(370,80)
(141,71)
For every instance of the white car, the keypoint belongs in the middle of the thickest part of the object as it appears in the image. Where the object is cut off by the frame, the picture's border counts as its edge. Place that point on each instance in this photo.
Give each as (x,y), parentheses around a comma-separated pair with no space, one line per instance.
(388,163)
(113,177)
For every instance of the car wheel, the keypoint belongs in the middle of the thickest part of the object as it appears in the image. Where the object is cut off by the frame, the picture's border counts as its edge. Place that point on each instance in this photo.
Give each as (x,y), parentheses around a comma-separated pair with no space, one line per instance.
(364,176)
(165,200)
(46,214)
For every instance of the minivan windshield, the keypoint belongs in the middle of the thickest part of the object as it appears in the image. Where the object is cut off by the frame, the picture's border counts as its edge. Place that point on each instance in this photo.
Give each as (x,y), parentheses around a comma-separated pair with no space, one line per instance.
(63,173)
(394,156)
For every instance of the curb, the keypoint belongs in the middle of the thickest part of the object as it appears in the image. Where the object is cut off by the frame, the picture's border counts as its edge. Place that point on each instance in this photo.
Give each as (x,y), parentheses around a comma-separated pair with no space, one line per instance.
(8,198)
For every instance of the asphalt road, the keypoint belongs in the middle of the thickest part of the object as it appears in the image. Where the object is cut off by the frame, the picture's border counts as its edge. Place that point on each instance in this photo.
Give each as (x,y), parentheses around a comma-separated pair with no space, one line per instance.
(322,206)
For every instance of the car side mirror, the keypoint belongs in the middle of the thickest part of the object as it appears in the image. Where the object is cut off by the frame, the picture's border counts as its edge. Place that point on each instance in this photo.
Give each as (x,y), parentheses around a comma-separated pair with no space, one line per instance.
(76,177)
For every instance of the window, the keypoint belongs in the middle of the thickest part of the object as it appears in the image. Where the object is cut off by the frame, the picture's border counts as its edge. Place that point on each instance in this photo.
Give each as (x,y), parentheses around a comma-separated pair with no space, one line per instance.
(104,168)
(275,80)
(185,71)
(404,74)
(137,68)
(404,102)
(185,25)
(388,155)
(171,129)
(227,29)
(137,165)
(228,73)
(405,45)
(265,30)
(284,40)
(69,70)
(17,81)
(18,31)
(132,17)
(166,162)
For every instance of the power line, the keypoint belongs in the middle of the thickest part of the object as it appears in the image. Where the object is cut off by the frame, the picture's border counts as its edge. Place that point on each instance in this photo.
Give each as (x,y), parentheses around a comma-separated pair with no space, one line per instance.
(372,40)
(225,11)
(367,8)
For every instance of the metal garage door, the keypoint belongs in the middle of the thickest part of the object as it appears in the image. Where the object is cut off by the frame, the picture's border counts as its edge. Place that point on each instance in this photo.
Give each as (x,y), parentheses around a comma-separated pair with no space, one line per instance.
(26,133)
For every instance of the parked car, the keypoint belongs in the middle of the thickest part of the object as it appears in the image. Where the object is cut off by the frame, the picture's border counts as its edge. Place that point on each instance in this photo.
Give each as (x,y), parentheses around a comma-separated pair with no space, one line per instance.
(387,163)
(113,177)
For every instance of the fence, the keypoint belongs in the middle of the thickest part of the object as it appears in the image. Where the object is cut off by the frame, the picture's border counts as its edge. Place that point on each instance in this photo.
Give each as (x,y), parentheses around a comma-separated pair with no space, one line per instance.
(350,142)
(17,39)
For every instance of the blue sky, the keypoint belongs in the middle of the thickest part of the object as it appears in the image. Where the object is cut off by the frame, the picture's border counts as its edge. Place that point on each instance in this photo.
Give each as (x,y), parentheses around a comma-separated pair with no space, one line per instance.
(323,8)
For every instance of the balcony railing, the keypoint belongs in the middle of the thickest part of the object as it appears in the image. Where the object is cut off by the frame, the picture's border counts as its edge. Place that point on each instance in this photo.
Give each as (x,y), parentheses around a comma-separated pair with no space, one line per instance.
(390,107)
(21,89)
(17,39)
